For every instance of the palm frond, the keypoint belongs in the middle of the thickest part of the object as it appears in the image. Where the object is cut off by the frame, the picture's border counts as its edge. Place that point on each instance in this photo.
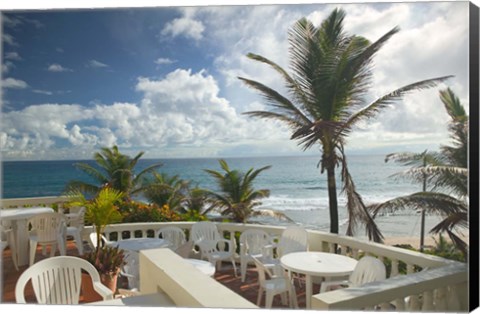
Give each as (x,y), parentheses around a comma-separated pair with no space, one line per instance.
(375,107)
(432,202)
(277,101)
(357,211)
(92,172)
(291,84)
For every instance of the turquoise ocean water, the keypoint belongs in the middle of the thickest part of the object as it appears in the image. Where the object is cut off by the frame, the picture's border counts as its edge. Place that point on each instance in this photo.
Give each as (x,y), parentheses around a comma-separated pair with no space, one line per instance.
(297,187)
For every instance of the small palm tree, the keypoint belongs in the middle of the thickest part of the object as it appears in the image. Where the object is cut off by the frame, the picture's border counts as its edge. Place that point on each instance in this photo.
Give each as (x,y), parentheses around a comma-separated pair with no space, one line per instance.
(327,93)
(163,189)
(115,170)
(100,211)
(237,197)
(447,174)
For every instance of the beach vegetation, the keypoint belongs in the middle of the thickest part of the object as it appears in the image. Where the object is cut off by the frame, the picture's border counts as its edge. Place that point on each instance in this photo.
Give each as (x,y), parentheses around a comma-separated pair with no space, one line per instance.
(115,170)
(196,205)
(164,190)
(326,96)
(237,197)
(445,173)
(133,211)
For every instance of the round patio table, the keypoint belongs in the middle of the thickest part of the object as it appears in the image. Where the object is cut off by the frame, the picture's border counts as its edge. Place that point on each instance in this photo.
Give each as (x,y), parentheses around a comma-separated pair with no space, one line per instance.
(138,244)
(317,264)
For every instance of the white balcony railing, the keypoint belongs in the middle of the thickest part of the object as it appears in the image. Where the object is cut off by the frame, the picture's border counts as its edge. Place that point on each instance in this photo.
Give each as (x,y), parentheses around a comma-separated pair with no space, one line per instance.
(430,284)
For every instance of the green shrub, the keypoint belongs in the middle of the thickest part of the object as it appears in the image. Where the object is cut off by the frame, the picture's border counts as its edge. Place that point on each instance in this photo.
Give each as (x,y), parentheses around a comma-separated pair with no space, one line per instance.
(133,211)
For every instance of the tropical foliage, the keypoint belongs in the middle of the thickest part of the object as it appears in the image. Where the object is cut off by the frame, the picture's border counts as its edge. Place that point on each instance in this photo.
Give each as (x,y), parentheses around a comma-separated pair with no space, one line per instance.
(237,197)
(133,211)
(163,189)
(108,260)
(113,169)
(446,173)
(331,73)
(101,210)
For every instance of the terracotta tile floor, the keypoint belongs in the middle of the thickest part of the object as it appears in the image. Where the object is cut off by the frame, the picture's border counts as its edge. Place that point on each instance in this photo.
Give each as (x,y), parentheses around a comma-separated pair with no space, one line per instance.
(247,289)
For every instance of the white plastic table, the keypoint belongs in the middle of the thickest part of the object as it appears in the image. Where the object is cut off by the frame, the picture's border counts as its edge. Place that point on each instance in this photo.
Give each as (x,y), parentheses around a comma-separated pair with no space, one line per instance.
(138,244)
(317,264)
(132,247)
(18,218)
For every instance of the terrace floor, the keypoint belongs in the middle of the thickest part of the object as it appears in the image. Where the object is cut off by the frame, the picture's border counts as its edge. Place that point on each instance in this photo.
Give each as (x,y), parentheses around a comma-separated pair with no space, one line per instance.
(247,289)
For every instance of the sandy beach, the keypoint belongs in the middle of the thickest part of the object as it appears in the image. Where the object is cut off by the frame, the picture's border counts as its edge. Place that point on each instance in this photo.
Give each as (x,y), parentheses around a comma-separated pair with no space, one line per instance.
(415,241)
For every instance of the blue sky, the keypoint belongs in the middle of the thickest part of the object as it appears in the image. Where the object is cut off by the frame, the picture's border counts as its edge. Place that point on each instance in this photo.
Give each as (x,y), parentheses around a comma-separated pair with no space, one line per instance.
(164,80)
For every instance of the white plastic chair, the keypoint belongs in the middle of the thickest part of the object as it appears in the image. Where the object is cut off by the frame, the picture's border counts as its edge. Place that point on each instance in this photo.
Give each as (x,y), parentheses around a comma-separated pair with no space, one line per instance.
(252,242)
(7,240)
(368,269)
(47,229)
(293,239)
(57,280)
(75,223)
(93,240)
(212,245)
(278,282)
(172,234)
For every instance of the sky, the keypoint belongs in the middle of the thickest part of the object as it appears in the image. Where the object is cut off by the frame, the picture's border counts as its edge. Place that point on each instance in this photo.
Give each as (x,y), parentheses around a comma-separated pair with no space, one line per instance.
(164,80)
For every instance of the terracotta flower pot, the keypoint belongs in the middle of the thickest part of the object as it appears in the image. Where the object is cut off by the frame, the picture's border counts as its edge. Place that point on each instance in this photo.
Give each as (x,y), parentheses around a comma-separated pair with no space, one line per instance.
(89,294)
(110,281)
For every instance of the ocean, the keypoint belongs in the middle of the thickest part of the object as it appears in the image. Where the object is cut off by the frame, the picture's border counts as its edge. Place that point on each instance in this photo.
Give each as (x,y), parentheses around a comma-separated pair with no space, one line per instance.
(296,186)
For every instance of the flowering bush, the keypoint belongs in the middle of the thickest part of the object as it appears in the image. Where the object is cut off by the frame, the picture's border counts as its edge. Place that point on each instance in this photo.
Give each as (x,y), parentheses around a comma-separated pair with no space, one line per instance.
(133,211)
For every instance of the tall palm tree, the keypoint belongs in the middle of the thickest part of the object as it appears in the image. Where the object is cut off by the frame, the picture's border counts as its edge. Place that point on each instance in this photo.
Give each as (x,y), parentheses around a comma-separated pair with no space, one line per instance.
(113,169)
(447,173)
(237,196)
(327,89)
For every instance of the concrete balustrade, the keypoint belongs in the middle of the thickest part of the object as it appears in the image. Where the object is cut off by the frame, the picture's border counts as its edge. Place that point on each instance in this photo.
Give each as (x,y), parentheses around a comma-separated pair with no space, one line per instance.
(162,270)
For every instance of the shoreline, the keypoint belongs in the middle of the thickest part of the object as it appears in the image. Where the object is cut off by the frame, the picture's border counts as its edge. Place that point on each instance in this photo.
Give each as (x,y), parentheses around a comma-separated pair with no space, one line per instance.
(429,240)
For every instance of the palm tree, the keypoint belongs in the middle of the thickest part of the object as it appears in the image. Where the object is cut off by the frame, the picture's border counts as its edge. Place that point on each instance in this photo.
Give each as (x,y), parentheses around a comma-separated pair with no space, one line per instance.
(101,211)
(331,75)
(166,190)
(237,197)
(447,172)
(115,170)
(416,160)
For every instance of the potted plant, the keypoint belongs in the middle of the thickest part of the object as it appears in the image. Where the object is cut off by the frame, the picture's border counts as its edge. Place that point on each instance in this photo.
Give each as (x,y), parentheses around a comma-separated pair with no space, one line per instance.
(101,211)
(108,261)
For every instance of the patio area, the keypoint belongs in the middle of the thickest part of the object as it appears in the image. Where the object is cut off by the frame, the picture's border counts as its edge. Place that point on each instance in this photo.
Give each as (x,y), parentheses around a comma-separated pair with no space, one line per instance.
(415,282)
(247,289)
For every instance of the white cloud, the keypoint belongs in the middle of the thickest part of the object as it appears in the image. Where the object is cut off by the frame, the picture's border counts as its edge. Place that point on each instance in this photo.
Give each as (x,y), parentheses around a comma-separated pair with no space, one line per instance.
(8,39)
(166,122)
(95,64)
(41,91)
(186,26)
(7,66)
(55,67)
(13,56)
(14,83)
(161,61)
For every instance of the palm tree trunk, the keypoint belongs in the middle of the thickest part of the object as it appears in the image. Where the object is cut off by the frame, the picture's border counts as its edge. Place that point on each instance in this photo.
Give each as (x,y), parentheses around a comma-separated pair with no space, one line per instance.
(332,199)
